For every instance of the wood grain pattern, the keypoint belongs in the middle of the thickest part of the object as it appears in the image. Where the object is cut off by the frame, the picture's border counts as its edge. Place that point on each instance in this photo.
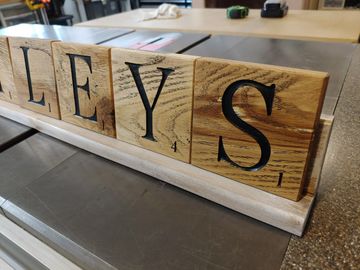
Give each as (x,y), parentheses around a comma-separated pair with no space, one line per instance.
(277,211)
(289,129)
(99,100)
(41,71)
(321,140)
(171,114)
(7,85)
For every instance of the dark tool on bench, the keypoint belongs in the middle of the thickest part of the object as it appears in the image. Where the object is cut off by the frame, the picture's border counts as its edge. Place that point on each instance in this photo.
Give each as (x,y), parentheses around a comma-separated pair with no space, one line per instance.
(237,12)
(274,9)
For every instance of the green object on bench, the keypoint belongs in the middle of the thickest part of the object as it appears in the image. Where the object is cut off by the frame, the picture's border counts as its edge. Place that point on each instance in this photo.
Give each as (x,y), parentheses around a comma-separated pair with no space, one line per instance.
(237,12)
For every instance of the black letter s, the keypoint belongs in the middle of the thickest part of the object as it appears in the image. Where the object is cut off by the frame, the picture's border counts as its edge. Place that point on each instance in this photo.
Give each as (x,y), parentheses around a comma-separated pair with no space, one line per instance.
(268,93)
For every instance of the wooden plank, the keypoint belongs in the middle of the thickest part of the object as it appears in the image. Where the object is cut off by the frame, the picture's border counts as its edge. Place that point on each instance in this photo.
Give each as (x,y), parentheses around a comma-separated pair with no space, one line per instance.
(7,85)
(34,72)
(151,114)
(42,253)
(293,4)
(298,24)
(280,212)
(4,265)
(83,76)
(274,155)
(321,140)
(51,236)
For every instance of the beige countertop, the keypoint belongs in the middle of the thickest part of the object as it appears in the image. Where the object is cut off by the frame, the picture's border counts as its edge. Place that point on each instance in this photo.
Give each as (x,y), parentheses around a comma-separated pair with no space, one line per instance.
(324,25)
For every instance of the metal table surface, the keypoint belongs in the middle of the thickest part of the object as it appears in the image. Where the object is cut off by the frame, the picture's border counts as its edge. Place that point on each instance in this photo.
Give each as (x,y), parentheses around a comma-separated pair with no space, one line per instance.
(28,160)
(86,35)
(333,58)
(170,42)
(12,132)
(126,218)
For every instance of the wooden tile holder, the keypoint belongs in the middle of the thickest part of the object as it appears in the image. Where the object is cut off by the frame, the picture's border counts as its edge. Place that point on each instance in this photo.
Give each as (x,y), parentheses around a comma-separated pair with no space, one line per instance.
(277,211)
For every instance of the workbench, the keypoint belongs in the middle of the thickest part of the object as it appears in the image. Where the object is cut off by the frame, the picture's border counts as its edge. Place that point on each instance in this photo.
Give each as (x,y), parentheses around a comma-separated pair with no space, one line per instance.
(102,215)
(329,25)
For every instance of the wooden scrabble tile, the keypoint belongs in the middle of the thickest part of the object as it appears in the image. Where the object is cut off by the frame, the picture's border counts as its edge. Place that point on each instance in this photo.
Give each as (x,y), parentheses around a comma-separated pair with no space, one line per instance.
(83,76)
(255,123)
(153,100)
(34,74)
(7,86)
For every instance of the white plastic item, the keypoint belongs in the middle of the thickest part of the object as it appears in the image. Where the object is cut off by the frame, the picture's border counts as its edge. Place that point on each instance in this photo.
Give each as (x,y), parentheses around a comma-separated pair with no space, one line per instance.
(164,11)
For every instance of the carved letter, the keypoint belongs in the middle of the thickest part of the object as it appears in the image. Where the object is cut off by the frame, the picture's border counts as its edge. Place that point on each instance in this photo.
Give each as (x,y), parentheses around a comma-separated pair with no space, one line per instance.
(28,75)
(268,93)
(84,87)
(134,68)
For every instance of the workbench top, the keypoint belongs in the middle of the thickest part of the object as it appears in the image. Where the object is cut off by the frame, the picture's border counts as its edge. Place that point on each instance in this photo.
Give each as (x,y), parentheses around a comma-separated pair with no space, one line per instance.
(101,214)
(324,25)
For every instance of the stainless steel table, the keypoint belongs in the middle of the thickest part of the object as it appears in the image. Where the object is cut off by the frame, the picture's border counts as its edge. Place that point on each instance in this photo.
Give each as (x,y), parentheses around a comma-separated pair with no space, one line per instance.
(28,160)
(126,218)
(87,35)
(12,132)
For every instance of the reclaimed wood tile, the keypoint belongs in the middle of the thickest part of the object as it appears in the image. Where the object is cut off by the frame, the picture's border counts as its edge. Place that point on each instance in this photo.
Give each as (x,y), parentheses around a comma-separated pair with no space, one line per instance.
(7,86)
(255,123)
(83,76)
(153,100)
(34,75)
